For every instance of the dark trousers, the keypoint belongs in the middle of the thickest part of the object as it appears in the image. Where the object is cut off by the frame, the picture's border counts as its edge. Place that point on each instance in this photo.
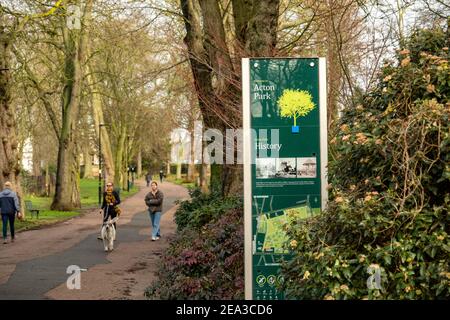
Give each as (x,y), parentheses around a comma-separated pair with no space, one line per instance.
(5,219)
(109,212)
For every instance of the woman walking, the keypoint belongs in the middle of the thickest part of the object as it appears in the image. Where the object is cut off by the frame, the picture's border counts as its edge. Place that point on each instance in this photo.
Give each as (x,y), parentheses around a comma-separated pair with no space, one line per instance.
(110,207)
(154,201)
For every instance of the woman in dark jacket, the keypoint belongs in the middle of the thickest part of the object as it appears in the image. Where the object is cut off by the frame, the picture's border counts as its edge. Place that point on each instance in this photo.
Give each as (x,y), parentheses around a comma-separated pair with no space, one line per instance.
(9,207)
(110,201)
(154,201)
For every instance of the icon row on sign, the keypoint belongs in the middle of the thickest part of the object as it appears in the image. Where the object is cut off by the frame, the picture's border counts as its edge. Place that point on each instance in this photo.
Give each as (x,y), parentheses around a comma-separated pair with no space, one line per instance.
(271,280)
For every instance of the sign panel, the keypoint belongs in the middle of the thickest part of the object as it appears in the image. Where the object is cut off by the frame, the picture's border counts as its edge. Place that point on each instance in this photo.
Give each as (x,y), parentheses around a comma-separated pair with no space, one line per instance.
(285,156)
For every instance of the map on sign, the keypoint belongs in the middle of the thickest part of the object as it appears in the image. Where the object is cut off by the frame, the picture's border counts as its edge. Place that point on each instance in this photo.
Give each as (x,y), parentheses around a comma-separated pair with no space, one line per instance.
(271,236)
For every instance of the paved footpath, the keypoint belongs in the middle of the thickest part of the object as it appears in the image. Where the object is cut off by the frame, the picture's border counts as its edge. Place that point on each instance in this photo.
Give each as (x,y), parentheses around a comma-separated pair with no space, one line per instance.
(34,267)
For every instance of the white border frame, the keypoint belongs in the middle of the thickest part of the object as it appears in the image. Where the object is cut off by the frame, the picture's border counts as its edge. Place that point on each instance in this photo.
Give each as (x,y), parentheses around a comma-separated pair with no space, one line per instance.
(247,150)
(323,132)
(246,114)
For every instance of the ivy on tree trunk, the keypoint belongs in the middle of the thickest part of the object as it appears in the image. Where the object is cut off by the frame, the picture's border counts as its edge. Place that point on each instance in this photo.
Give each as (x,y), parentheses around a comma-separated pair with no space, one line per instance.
(9,152)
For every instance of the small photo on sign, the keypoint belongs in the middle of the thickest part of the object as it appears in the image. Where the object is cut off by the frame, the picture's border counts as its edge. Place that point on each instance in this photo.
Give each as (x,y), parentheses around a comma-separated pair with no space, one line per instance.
(285,168)
(265,168)
(307,167)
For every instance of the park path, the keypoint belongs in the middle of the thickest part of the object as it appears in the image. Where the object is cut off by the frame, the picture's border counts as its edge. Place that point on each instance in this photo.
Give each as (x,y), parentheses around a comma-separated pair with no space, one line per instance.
(34,267)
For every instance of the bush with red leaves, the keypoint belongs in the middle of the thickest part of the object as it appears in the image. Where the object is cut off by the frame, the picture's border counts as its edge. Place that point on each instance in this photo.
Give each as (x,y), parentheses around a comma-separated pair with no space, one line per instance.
(204,264)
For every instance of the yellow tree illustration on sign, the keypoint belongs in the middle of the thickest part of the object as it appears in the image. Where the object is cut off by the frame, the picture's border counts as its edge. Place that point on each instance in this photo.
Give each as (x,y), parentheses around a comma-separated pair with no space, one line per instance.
(295,103)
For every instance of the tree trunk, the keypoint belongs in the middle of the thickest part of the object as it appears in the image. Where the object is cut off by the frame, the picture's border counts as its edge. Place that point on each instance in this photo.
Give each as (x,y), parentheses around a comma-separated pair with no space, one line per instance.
(9,156)
(191,166)
(180,156)
(168,168)
(191,172)
(67,195)
(87,157)
(242,12)
(97,111)
(47,180)
(179,170)
(204,174)
(256,23)
(37,170)
(201,69)
(120,176)
(139,164)
(260,38)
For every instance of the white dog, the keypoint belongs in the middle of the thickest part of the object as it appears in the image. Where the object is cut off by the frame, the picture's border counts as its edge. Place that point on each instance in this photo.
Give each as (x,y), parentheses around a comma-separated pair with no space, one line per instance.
(109,234)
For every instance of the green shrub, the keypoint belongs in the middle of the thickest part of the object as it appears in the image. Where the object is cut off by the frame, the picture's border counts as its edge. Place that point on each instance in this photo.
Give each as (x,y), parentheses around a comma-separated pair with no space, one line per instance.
(204,261)
(389,204)
(203,208)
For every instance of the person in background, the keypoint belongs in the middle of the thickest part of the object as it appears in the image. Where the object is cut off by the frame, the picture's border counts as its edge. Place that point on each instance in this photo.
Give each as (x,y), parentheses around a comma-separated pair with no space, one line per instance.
(161,175)
(9,207)
(154,201)
(148,178)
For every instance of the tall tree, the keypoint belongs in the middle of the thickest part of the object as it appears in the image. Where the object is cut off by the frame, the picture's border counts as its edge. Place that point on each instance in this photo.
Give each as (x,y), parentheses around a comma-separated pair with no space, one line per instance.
(67,194)
(216,77)
(101,132)
(9,151)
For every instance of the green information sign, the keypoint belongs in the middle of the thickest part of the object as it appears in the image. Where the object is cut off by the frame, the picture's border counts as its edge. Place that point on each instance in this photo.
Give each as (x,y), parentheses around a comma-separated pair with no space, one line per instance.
(285,156)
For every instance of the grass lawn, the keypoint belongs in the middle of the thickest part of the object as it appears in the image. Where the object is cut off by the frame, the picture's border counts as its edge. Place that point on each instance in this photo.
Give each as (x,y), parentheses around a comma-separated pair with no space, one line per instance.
(89,200)
(182,182)
(46,217)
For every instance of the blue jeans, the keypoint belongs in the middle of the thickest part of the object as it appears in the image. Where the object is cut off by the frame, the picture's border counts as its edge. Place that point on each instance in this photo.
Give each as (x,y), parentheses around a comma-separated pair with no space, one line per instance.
(5,219)
(155,217)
